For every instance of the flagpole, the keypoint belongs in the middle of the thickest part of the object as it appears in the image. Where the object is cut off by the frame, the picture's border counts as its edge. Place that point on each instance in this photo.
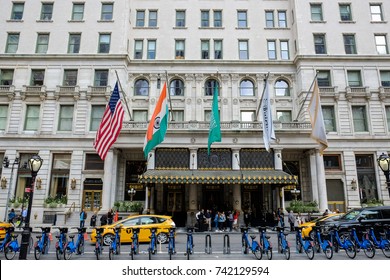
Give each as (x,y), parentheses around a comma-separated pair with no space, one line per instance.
(123,97)
(307,94)
(169,96)
(262,95)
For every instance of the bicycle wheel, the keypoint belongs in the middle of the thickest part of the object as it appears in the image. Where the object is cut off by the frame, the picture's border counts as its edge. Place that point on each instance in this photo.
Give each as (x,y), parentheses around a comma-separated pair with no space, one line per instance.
(268,252)
(329,252)
(257,252)
(245,247)
(369,251)
(299,247)
(386,250)
(351,251)
(58,253)
(111,254)
(37,253)
(287,253)
(118,248)
(310,252)
(80,247)
(67,253)
(9,252)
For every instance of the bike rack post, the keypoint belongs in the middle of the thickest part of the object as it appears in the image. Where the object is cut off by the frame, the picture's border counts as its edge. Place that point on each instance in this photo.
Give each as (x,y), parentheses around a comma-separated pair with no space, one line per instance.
(208,248)
(226,244)
(159,247)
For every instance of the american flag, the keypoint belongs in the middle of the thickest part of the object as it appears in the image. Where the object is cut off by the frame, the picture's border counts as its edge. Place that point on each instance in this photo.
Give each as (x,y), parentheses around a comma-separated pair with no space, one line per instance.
(111,124)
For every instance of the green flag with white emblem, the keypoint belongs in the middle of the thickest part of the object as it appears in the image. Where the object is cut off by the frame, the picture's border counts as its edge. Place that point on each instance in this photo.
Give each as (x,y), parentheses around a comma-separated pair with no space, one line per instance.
(215,125)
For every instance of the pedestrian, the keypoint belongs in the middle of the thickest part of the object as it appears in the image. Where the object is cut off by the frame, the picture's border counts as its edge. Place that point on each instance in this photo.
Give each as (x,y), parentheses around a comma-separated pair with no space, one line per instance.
(207,217)
(116,216)
(221,221)
(281,217)
(110,216)
(291,220)
(200,220)
(216,219)
(83,217)
(24,216)
(325,213)
(230,220)
(235,219)
(300,219)
(247,218)
(11,216)
(103,220)
(92,223)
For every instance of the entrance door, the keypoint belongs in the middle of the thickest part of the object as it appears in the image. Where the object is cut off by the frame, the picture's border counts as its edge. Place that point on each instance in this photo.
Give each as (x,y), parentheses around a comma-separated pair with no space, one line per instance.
(92,200)
(213,198)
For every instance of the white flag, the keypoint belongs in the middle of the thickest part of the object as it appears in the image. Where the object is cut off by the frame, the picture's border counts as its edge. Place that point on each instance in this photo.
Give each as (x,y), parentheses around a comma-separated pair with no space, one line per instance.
(318,132)
(268,124)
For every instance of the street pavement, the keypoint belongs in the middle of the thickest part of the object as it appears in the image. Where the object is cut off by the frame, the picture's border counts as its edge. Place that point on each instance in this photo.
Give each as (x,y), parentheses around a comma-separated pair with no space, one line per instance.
(217,249)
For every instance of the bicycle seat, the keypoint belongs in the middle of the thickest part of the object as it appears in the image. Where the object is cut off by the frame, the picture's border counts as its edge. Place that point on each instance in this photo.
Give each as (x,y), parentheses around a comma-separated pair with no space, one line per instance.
(38,236)
(14,236)
(268,237)
(253,237)
(58,236)
(71,236)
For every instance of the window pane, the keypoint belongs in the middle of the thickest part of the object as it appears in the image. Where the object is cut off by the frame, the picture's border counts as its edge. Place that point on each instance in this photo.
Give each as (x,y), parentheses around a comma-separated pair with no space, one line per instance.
(246,88)
(32,117)
(140,115)
(345,12)
(96,116)
(3,116)
(329,118)
(180,18)
(354,79)
(42,43)
(47,11)
(271,49)
(282,88)
(6,77)
(385,78)
(359,118)
(37,77)
(104,43)
(151,49)
(205,19)
(152,18)
(381,44)
(376,12)
(70,77)
(210,87)
(66,118)
(319,44)
(349,44)
(178,115)
(176,87)
(217,49)
(107,10)
(269,19)
(138,49)
(284,52)
(179,49)
(243,49)
(242,19)
(17,11)
(74,43)
(323,79)
(141,87)
(247,116)
(205,49)
(78,12)
(140,22)
(316,12)
(282,19)
(217,18)
(284,116)
(101,78)
(12,43)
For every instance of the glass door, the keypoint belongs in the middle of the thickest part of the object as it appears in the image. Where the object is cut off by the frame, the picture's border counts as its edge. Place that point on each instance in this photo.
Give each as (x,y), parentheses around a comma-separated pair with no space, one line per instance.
(92,200)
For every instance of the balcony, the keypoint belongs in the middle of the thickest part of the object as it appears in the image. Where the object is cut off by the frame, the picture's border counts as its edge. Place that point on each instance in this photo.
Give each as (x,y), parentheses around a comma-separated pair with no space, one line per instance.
(7,90)
(34,91)
(330,92)
(98,91)
(67,91)
(357,92)
(384,92)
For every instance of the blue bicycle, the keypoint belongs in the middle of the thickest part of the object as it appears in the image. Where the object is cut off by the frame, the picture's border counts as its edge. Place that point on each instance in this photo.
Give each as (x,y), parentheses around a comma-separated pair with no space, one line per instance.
(253,246)
(345,244)
(304,244)
(190,243)
(77,247)
(383,243)
(42,245)
(265,244)
(134,250)
(61,242)
(365,243)
(153,242)
(322,244)
(99,243)
(283,245)
(12,247)
(115,246)
(7,238)
(171,242)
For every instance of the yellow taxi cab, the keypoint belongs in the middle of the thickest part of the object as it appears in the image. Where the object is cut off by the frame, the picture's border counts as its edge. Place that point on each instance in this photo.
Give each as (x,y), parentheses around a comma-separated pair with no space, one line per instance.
(3,226)
(143,222)
(307,227)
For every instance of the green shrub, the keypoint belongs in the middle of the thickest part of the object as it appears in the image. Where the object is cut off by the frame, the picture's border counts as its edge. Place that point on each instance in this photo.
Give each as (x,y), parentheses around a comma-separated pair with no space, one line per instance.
(301,207)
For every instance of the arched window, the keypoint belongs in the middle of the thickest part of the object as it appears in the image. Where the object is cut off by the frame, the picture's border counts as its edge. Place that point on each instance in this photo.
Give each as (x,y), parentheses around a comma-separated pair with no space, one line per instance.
(176,88)
(210,86)
(141,87)
(282,88)
(246,88)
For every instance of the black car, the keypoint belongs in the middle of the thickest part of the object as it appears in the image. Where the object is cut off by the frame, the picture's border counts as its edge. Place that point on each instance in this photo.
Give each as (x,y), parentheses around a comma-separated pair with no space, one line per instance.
(358,216)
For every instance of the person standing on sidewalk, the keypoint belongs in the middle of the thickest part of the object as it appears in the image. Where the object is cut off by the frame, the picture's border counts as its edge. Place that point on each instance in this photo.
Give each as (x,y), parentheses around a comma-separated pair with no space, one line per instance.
(83,217)
(291,220)
(110,216)
(11,216)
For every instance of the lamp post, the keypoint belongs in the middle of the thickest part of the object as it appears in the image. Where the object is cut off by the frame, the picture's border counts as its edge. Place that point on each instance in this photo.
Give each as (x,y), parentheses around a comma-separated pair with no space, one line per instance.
(34,163)
(6,164)
(131,192)
(295,193)
(384,164)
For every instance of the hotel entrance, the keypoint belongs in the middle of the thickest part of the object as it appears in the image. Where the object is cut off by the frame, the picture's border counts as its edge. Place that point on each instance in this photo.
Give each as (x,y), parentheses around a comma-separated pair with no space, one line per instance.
(213,197)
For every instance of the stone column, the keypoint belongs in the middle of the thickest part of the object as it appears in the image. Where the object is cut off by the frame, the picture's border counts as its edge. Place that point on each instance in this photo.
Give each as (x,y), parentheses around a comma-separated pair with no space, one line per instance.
(313,176)
(322,193)
(192,204)
(107,181)
(151,207)
(194,159)
(146,204)
(151,160)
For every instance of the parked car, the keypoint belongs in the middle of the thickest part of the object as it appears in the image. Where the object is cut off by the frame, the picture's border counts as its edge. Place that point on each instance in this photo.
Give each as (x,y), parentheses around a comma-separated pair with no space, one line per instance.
(357,216)
(3,226)
(143,222)
(307,229)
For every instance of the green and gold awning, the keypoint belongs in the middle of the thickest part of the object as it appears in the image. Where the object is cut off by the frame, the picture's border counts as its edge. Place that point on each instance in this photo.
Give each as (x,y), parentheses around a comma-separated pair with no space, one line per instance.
(218,177)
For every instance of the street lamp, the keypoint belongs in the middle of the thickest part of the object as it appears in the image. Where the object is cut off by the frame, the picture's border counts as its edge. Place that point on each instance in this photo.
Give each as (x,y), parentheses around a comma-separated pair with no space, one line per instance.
(295,193)
(34,163)
(131,192)
(6,164)
(384,164)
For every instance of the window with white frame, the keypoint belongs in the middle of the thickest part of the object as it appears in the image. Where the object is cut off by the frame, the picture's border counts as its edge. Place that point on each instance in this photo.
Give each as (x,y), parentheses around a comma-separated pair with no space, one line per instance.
(218,49)
(42,43)
(345,12)
(242,19)
(138,49)
(31,122)
(271,45)
(70,77)
(385,78)
(97,112)
(6,77)
(140,115)
(243,49)
(284,50)
(354,78)
(17,11)
(152,18)
(205,49)
(176,87)
(74,43)
(210,86)
(179,49)
(329,118)
(37,77)
(180,18)
(319,43)
(282,88)
(60,175)
(376,12)
(349,43)
(323,78)
(381,44)
(141,88)
(47,11)
(247,88)
(3,116)
(217,18)
(316,12)
(104,43)
(107,11)
(151,49)
(282,19)
(205,18)
(177,115)
(269,19)
(65,119)
(283,116)
(12,43)
(101,78)
(140,18)
(78,11)
(359,115)
(247,116)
